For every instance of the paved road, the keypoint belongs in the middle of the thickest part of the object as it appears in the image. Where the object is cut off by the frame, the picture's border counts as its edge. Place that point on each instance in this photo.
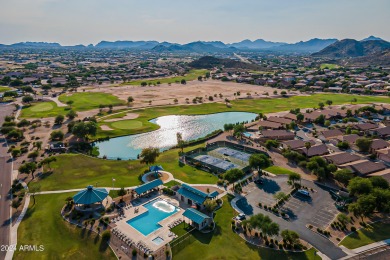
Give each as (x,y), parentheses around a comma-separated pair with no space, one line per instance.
(5,184)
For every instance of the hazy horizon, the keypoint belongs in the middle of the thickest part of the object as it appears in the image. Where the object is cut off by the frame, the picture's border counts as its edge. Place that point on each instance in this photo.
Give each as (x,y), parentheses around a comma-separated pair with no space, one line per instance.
(71,22)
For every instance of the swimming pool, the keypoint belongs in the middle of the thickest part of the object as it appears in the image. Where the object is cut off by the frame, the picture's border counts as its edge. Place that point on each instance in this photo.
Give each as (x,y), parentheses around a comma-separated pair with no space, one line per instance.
(147,222)
(246,134)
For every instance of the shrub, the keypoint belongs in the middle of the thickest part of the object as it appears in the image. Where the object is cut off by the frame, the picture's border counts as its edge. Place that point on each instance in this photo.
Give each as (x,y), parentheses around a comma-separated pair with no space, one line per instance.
(353,229)
(134,252)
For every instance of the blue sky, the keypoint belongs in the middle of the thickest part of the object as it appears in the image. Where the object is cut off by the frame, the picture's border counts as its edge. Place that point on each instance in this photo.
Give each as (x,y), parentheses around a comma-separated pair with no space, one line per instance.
(90,21)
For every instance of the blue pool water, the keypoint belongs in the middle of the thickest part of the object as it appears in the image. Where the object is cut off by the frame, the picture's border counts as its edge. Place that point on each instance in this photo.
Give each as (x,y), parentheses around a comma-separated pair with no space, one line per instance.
(246,134)
(147,222)
(191,127)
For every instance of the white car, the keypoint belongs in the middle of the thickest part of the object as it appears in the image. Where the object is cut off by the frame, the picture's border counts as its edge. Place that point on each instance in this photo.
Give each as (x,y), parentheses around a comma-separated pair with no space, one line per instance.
(241,217)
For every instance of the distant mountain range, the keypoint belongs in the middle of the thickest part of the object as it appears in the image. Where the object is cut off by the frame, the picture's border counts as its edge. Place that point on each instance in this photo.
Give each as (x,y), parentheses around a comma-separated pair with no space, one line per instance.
(208,62)
(317,46)
(353,48)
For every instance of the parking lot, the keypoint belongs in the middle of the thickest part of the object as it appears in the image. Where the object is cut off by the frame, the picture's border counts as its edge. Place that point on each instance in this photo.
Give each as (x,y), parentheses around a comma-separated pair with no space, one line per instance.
(324,217)
(264,193)
(317,210)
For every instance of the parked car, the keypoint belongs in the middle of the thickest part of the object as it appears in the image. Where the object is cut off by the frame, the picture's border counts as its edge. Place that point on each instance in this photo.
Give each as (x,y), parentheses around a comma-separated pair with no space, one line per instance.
(304,193)
(259,181)
(241,217)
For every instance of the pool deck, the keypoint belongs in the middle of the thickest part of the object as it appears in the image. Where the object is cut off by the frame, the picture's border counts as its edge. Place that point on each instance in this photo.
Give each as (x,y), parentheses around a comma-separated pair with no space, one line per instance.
(163,232)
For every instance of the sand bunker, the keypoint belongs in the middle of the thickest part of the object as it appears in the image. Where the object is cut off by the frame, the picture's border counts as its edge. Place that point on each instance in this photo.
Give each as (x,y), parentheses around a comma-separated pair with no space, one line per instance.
(126,117)
(106,128)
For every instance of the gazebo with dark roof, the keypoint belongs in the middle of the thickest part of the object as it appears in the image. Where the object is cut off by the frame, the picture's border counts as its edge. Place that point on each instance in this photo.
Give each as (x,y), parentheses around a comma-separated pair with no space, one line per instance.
(90,196)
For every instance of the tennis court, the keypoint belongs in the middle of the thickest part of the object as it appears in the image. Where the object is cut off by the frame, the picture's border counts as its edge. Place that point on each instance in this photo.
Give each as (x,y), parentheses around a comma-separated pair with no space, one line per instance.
(244,157)
(216,162)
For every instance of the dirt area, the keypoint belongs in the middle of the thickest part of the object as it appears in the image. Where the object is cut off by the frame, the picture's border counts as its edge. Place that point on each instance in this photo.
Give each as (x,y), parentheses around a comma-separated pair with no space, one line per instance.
(106,128)
(165,94)
(126,117)
(208,189)
(163,177)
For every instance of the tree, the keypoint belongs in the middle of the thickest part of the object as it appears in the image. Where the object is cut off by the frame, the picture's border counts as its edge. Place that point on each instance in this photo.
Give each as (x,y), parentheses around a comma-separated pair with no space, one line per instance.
(228,127)
(69,103)
(280,196)
(321,105)
(183,82)
(259,161)
(57,135)
(130,100)
(27,99)
(294,177)
(122,192)
(71,114)
(320,120)
(271,143)
(307,146)
(233,174)
(180,141)
(33,155)
(344,219)
(38,145)
(28,168)
(84,129)
(59,120)
(238,130)
(149,155)
(47,161)
(363,144)
(349,113)
(290,236)
(23,123)
(327,123)
(379,182)
(200,78)
(364,207)
(343,176)
(343,145)
(300,117)
(359,186)
(329,102)
(33,190)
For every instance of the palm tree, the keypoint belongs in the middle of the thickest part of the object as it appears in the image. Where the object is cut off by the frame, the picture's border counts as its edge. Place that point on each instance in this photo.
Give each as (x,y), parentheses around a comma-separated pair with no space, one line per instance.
(180,141)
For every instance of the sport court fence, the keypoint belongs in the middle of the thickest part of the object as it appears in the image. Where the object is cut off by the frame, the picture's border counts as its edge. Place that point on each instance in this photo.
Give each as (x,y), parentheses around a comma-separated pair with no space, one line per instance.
(209,150)
(181,242)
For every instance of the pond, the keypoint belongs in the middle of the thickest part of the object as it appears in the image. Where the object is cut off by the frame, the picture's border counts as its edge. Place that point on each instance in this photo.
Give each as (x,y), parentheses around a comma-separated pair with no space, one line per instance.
(191,127)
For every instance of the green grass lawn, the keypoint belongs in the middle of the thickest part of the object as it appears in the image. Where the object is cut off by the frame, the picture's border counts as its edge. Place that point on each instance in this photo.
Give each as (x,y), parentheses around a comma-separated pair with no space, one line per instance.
(171,184)
(278,170)
(329,66)
(82,102)
(43,225)
(72,171)
(251,105)
(89,100)
(127,124)
(191,75)
(376,232)
(223,243)
(4,89)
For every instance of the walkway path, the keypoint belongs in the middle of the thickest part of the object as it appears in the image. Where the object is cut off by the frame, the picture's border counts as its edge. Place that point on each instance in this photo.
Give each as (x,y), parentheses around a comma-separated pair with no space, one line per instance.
(57,101)
(14,228)
(353,253)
